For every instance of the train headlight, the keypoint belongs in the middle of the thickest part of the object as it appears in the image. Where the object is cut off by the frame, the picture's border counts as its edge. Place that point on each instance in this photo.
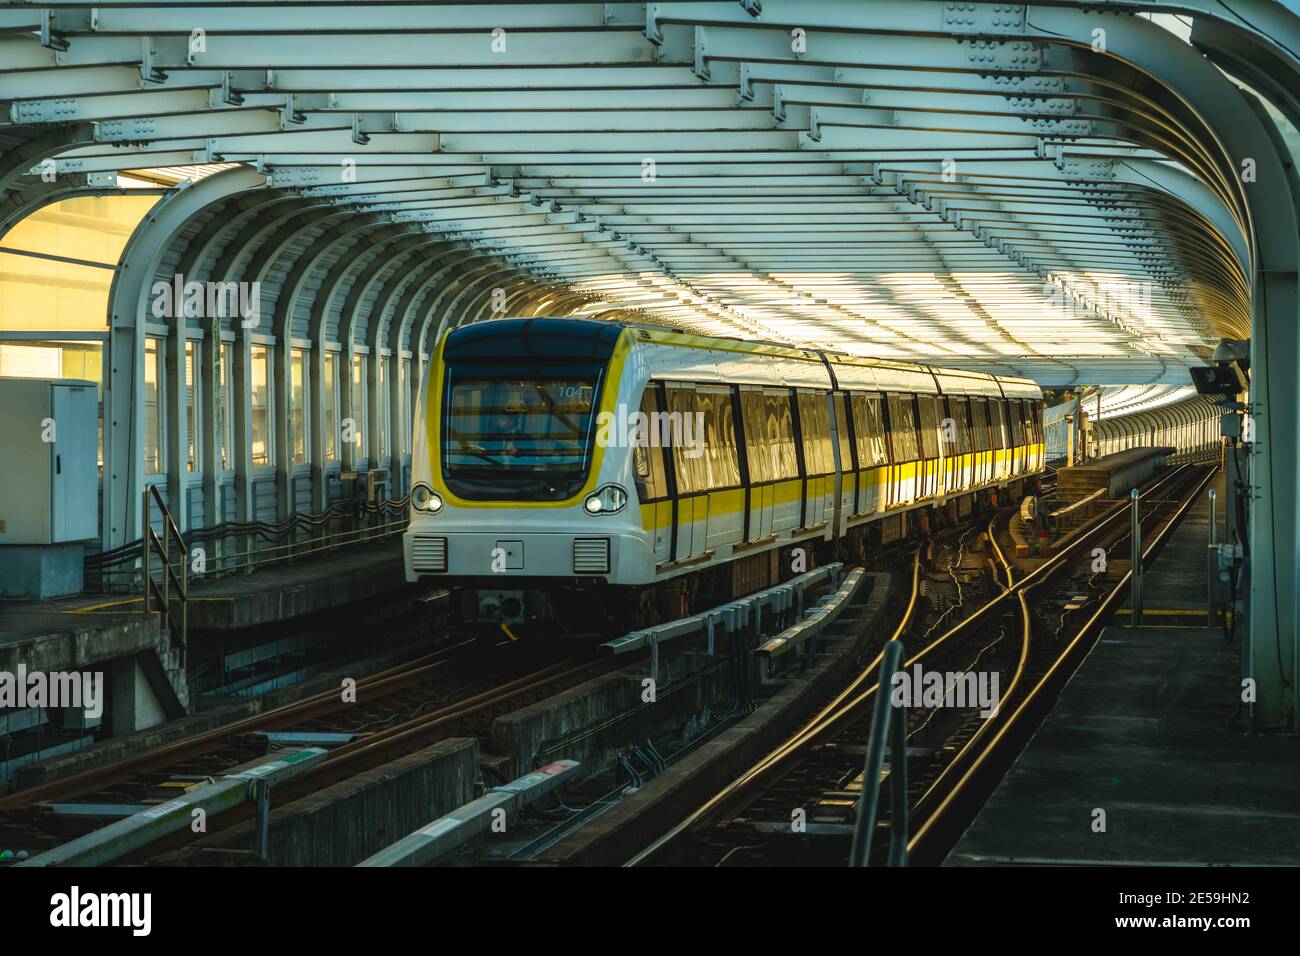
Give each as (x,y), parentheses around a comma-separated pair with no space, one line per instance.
(605,501)
(423,498)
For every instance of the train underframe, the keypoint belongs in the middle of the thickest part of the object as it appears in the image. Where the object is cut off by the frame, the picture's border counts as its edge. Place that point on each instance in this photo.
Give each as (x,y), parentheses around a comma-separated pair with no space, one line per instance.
(537,608)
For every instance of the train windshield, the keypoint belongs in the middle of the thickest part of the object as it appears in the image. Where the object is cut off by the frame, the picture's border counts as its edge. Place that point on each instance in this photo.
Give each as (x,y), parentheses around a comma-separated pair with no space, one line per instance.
(519,436)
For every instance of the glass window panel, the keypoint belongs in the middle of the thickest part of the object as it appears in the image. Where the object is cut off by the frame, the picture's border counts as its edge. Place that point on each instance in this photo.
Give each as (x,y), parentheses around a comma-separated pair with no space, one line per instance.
(359,407)
(48,294)
(842,426)
(757,451)
(153,410)
(689,463)
(329,414)
(929,406)
(720,437)
(193,350)
(263,453)
(980,426)
(403,411)
(92,228)
(225,407)
(780,429)
(869,423)
(384,400)
(902,427)
(647,453)
(959,411)
(298,405)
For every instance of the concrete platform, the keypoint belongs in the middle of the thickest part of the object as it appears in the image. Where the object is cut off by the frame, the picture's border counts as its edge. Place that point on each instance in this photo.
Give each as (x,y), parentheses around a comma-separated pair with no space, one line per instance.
(1175,587)
(1141,733)
(307,586)
(1118,474)
(88,631)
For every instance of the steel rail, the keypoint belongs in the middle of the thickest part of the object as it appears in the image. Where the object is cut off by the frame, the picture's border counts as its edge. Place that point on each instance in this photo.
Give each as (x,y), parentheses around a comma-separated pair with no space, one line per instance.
(1058,668)
(88,781)
(834,715)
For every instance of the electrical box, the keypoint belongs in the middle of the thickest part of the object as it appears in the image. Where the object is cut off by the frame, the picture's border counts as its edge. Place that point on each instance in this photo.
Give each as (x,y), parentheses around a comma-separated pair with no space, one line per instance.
(49,472)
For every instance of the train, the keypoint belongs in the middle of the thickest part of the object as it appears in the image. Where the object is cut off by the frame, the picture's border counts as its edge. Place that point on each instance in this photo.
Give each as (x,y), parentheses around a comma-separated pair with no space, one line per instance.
(583,476)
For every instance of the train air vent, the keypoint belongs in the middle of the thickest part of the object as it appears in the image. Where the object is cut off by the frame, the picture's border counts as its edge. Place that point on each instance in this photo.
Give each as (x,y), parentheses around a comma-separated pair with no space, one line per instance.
(429,553)
(591,555)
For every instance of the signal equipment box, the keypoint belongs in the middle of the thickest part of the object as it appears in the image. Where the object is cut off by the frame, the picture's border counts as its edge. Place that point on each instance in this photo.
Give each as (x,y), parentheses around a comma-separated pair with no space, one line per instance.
(49,461)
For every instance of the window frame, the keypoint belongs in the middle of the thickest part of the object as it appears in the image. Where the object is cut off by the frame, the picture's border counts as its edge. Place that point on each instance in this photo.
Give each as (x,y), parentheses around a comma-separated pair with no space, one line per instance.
(267,352)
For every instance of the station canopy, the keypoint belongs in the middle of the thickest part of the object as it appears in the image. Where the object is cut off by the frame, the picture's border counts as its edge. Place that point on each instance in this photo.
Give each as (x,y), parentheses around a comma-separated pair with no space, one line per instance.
(997,186)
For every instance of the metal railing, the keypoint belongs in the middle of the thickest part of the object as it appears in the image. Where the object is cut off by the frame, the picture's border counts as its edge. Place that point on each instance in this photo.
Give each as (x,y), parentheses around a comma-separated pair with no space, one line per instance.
(177,624)
(881,725)
(263,543)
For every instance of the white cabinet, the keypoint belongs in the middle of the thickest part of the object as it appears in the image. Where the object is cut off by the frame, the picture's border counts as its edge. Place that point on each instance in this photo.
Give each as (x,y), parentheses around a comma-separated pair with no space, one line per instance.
(49,460)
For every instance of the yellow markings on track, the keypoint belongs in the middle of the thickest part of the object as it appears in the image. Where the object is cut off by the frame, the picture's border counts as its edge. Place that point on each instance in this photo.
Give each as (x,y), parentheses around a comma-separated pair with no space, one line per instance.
(509,633)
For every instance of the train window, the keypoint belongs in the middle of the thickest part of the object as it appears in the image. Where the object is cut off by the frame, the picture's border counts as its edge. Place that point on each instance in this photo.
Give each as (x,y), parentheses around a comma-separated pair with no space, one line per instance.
(648,453)
(758,445)
(979,409)
(688,455)
(1036,415)
(780,430)
(842,428)
(869,426)
(719,433)
(959,411)
(929,405)
(998,422)
(1015,425)
(1026,418)
(902,427)
(815,429)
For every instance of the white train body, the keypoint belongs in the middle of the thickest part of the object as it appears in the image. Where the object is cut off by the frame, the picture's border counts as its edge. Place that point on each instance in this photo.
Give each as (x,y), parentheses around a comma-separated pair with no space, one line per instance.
(540,454)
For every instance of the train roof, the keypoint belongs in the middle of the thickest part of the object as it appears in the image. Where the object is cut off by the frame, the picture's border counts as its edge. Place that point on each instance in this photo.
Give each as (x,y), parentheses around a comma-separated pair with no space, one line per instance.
(595,336)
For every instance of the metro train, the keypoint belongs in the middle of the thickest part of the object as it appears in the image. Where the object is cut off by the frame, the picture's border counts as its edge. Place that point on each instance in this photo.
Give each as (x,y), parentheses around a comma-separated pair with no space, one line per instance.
(585,476)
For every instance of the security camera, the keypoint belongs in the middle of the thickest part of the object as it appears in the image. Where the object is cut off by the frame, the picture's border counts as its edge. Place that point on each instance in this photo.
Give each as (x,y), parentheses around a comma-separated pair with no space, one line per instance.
(1227,376)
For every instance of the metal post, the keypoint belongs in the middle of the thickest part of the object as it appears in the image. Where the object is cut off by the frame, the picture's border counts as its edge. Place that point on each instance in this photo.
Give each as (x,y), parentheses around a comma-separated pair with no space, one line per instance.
(865,825)
(262,797)
(1211,560)
(185,605)
(144,550)
(1135,587)
(167,566)
(898,791)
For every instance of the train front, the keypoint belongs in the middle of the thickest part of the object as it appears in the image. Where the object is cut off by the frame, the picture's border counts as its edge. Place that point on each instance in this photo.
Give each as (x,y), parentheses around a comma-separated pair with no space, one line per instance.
(520,500)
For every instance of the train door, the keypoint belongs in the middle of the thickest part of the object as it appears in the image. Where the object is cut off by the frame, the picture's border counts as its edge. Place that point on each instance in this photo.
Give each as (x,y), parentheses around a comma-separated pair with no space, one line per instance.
(724,518)
(760,468)
(931,472)
(872,456)
(787,489)
(818,456)
(651,463)
(690,470)
(905,484)
(846,474)
(979,434)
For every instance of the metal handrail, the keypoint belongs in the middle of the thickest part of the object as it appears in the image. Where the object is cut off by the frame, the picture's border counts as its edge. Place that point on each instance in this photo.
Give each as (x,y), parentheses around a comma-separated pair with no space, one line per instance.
(881,724)
(245,560)
(178,628)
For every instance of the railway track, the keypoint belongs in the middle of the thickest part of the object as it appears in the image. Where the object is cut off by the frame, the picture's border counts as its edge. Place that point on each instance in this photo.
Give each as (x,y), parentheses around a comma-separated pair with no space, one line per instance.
(393,712)
(798,804)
